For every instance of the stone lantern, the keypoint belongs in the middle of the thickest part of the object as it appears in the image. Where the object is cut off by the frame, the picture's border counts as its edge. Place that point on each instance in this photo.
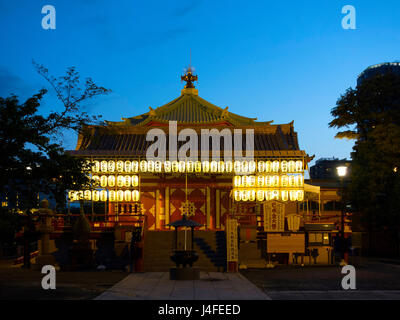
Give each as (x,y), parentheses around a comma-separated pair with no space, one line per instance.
(184,257)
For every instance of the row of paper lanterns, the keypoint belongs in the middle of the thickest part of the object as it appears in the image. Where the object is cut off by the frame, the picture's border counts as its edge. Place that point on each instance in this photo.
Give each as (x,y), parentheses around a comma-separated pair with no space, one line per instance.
(104,195)
(119,181)
(283,166)
(265,195)
(269,181)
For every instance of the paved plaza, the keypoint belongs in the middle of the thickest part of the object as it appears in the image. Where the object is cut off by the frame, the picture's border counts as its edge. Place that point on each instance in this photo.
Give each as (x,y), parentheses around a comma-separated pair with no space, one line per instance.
(157,286)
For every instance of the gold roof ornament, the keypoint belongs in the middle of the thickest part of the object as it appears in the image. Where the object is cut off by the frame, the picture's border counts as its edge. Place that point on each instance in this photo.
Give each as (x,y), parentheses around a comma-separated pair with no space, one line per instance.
(190,78)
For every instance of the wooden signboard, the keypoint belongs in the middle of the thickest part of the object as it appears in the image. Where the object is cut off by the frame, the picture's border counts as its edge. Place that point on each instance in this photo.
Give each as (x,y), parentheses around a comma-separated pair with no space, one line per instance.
(232,240)
(286,243)
(274,216)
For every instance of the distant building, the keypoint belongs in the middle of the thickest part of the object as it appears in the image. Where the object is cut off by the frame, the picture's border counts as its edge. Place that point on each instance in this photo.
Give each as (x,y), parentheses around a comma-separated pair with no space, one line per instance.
(380,68)
(325,168)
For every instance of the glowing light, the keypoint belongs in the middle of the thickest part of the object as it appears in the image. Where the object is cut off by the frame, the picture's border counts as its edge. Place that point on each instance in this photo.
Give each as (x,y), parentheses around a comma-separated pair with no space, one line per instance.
(175,166)
(120,166)
(135,195)
(167,166)
(111,181)
(127,166)
(214,166)
(143,166)
(127,195)
(127,181)
(261,166)
(103,166)
(120,181)
(135,181)
(96,195)
(103,195)
(103,181)
(111,166)
(206,166)
(111,195)
(284,166)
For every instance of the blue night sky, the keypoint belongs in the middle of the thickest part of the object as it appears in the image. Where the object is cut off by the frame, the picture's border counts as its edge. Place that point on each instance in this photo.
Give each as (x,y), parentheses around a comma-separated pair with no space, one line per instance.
(274,60)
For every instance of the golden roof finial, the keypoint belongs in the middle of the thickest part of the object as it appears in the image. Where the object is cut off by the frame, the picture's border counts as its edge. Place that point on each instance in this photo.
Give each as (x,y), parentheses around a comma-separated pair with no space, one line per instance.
(189,77)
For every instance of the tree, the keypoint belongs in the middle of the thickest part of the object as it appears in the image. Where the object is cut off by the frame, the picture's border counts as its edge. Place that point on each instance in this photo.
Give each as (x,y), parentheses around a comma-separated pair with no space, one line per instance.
(31,160)
(371,115)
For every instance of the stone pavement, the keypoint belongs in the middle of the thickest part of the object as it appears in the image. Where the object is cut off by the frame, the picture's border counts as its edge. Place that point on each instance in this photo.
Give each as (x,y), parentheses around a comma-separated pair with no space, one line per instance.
(157,286)
(336,295)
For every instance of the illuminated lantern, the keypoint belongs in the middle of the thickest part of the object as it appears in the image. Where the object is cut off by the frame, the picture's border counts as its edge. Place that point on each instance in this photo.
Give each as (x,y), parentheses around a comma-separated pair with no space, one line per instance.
(228,166)
(260,181)
(292,166)
(299,166)
(103,181)
(285,195)
(143,166)
(135,181)
(237,181)
(252,166)
(261,166)
(245,166)
(267,194)
(299,180)
(111,195)
(135,166)
(197,166)
(127,195)
(252,195)
(292,181)
(214,166)
(96,166)
(300,195)
(150,166)
(244,181)
(268,166)
(104,166)
(260,195)
(111,181)
(120,166)
(190,166)
(103,195)
(175,166)
(221,167)
(275,166)
(237,195)
(127,166)
(268,181)
(120,181)
(135,195)
(237,166)
(167,166)
(111,166)
(95,180)
(245,195)
(275,181)
(127,181)
(284,166)
(274,195)
(293,195)
(206,166)
(72,195)
(293,221)
(284,180)
(251,181)
(158,166)
(182,166)
(120,195)
(95,195)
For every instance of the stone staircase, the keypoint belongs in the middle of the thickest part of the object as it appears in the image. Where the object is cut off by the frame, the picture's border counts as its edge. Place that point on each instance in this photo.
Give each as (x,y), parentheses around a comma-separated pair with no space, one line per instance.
(209,245)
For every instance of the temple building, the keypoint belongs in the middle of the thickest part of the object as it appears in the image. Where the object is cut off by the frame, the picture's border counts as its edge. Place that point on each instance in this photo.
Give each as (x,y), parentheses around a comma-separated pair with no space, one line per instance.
(212,165)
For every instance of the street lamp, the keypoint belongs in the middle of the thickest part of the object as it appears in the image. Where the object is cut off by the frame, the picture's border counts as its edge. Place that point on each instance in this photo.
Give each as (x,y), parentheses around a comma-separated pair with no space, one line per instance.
(342,172)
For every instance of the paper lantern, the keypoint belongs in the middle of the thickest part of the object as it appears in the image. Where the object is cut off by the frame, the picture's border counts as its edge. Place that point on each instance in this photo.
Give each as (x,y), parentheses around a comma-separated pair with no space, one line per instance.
(167,166)
(87,195)
(95,195)
(293,195)
(120,181)
(111,181)
(111,195)
(275,181)
(228,166)
(252,166)
(158,166)
(135,166)
(292,181)
(284,180)
(103,181)
(260,195)
(72,195)
(293,221)
(245,195)
(214,166)
(245,166)
(284,195)
(206,166)
(197,166)
(261,166)
(221,166)
(127,195)
(95,180)
(135,181)
(127,181)
(300,195)
(175,166)
(299,166)
(268,181)
(252,195)
(143,166)
(237,195)
(268,166)
(103,195)
(150,166)
(120,166)
(135,195)
(299,180)
(275,166)
(120,195)
(244,181)
(96,166)
(274,195)
(182,166)
(284,166)
(260,181)
(190,166)
(292,166)
(237,167)
(111,166)
(104,166)
(127,166)
(237,181)
(251,181)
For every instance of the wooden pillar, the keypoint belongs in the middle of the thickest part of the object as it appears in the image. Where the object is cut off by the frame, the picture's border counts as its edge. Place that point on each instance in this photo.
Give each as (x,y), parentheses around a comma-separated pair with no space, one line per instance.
(208,205)
(217,209)
(166,205)
(158,224)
